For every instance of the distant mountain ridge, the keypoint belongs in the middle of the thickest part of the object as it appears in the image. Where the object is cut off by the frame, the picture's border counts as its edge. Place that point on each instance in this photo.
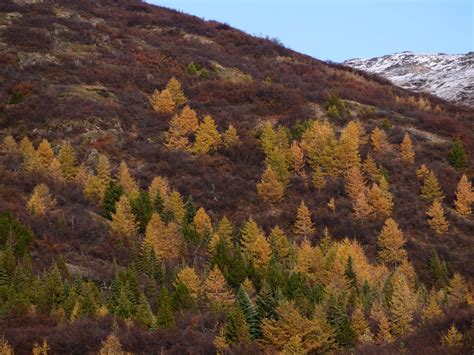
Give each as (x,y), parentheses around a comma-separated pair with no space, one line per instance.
(448,76)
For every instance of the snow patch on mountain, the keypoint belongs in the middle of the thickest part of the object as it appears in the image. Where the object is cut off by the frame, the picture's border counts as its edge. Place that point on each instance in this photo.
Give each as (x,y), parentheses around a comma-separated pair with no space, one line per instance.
(449,76)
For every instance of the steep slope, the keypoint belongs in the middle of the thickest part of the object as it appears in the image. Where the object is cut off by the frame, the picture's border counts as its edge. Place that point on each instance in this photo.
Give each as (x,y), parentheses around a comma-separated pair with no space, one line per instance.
(448,76)
(83,72)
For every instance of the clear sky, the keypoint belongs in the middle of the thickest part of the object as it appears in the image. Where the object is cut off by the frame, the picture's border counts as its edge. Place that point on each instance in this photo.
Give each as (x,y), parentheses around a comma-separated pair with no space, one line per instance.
(343,29)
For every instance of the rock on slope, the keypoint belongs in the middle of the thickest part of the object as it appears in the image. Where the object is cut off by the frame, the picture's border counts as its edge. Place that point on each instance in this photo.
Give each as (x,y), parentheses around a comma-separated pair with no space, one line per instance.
(450,77)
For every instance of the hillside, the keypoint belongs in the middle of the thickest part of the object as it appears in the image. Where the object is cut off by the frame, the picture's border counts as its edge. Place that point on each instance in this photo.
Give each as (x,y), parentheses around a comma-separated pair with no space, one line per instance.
(124,212)
(447,76)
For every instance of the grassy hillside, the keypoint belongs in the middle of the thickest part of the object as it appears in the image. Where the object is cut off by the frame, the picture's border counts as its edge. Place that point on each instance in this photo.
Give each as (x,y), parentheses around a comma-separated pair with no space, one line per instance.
(83,72)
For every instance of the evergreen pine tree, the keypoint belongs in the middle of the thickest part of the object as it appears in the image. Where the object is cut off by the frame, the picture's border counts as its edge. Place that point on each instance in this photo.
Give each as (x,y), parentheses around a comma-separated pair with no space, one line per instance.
(249,311)
(143,312)
(112,195)
(142,209)
(164,313)
(457,156)
(237,330)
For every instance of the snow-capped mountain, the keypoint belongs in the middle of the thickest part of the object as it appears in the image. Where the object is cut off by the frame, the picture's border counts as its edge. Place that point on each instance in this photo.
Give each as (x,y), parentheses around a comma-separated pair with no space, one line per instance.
(449,76)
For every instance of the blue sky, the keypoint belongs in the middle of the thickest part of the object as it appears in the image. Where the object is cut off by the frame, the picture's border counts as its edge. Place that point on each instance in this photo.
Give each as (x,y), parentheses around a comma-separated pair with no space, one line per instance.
(343,29)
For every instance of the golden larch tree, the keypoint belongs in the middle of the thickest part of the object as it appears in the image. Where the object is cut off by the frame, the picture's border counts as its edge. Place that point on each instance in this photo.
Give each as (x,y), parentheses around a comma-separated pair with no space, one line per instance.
(313,335)
(458,290)
(103,170)
(153,232)
(362,207)
(261,251)
(431,190)
(297,158)
(406,150)
(93,189)
(9,145)
(82,175)
(422,172)
(370,168)
(436,218)
(5,347)
(41,200)
(249,235)
(67,158)
(306,257)
(31,161)
(202,222)
(45,155)
(54,170)
(319,179)
(189,278)
(320,146)
(162,102)
(355,183)
(303,227)
(390,244)
(26,147)
(379,140)
(174,204)
(177,94)
(452,340)
(111,346)
(208,138)
(126,180)
(188,120)
(270,188)
(216,290)
(379,315)
(380,201)
(464,196)
(164,240)
(348,154)
(225,231)
(159,185)
(123,222)
(230,138)
(176,137)
(40,349)
(431,309)
(360,325)
(402,306)
(332,204)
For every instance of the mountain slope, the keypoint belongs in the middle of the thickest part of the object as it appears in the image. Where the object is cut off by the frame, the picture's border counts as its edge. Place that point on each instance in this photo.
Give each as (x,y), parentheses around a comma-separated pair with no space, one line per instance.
(450,77)
(80,74)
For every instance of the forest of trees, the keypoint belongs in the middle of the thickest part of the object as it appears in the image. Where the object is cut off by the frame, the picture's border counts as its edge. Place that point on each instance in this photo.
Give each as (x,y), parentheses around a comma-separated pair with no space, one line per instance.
(174,185)
(277,290)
